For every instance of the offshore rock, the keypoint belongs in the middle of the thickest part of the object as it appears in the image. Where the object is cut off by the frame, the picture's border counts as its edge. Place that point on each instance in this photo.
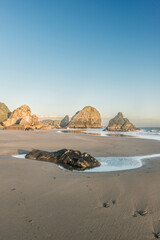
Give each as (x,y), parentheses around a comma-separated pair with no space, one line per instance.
(88,117)
(64,122)
(4,112)
(119,123)
(21,116)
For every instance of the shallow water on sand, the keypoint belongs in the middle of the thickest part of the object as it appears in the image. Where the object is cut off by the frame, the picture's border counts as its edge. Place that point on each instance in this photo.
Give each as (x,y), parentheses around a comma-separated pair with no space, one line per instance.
(110,164)
(145,133)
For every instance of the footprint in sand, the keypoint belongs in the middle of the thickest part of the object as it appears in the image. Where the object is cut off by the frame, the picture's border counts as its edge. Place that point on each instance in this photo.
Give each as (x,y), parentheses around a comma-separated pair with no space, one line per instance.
(141,213)
(107,205)
(157,235)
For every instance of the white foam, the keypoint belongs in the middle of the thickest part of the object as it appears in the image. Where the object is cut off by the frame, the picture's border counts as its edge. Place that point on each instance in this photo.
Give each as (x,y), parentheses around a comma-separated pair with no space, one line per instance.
(19,156)
(144,133)
(153,134)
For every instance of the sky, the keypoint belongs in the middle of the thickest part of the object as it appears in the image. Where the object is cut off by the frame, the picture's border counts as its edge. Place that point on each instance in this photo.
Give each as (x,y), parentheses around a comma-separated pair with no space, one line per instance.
(58,56)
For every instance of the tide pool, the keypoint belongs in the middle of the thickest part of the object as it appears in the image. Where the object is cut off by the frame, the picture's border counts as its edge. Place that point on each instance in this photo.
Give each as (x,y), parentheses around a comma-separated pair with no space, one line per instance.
(110,164)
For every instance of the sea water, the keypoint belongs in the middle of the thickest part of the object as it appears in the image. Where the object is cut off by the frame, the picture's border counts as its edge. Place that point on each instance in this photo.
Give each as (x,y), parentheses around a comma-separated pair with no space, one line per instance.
(145,133)
(109,164)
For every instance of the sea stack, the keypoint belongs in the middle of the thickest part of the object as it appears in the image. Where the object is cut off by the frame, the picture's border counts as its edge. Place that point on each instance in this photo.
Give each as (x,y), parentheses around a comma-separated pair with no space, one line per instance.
(88,117)
(120,124)
(21,117)
(4,112)
(64,121)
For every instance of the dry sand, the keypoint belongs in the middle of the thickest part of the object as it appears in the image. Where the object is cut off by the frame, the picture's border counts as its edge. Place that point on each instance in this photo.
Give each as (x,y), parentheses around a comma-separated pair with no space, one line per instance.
(38,200)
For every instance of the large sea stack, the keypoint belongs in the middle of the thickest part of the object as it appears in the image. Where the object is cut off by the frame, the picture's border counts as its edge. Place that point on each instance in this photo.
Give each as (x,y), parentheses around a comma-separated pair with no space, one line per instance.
(67,158)
(120,124)
(4,112)
(21,118)
(88,117)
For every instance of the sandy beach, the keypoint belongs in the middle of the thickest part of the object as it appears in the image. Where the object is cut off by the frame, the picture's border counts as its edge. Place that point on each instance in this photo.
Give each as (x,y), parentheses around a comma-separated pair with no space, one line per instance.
(39,200)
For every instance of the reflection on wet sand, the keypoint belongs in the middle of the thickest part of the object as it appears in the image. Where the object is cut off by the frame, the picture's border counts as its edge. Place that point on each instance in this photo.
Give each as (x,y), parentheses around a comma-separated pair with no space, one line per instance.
(80,131)
(99,134)
(119,135)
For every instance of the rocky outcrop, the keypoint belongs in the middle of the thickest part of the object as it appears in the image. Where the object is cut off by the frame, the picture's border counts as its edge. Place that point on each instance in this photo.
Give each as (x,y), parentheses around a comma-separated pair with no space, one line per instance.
(53,123)
(4,112)
(88,117)
(69,159)
(119,123)
(15,127)
(64,121)
(45,127)
(56,123)
(47,121)
(21,116)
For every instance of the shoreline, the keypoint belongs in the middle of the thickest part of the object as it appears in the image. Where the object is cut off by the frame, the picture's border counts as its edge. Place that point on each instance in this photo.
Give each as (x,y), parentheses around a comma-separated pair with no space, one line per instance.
(104,146)
(141,133)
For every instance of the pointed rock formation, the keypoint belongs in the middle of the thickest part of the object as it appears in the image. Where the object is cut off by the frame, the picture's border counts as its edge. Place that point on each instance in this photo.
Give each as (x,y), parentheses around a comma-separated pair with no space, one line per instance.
(119,123)
(21,116)
(4,112)
(88,117)
(65,121)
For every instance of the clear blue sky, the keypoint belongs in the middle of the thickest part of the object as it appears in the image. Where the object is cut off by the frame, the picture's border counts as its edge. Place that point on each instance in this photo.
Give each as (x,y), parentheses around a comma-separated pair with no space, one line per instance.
(58,56)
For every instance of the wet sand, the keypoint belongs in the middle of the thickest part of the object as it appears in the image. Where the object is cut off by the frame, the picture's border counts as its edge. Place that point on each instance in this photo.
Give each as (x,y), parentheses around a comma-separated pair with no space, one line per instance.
(38,200)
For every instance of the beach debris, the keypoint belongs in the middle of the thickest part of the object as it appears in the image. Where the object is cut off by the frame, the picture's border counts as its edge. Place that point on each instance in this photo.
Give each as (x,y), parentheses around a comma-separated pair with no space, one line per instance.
(157,235)
(105,205)
(29,129)
(67,158)
(142,212)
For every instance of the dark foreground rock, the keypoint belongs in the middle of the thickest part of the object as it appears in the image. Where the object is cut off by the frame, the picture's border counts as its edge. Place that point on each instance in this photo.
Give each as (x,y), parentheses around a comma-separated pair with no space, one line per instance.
(69,159)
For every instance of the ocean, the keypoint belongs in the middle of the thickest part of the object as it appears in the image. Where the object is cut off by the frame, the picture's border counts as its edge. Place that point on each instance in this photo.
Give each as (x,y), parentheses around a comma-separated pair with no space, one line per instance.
(145,133)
